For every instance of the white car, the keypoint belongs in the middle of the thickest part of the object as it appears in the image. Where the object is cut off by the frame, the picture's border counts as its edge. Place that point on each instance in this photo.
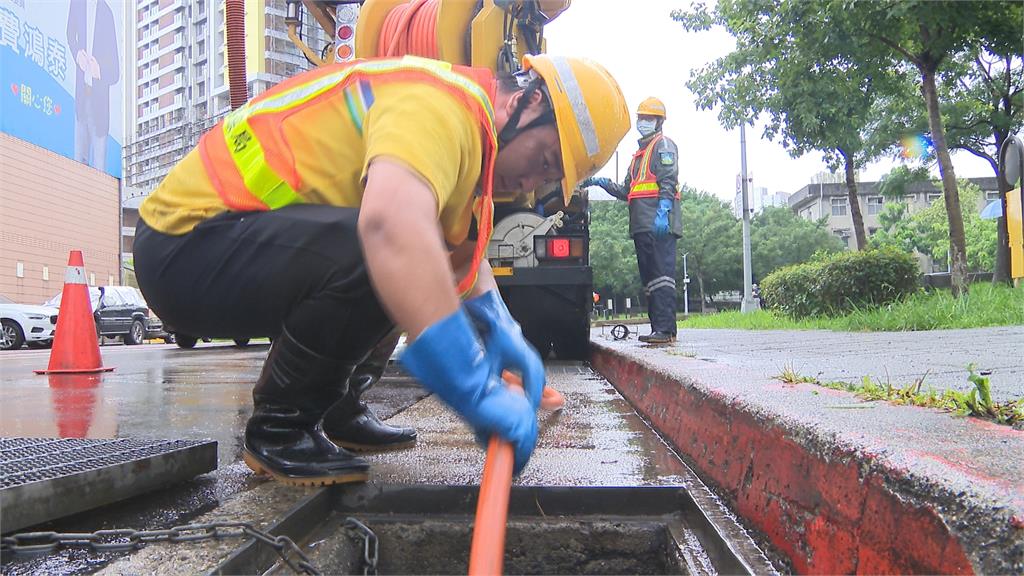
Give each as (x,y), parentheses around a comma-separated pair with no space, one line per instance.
(26,324)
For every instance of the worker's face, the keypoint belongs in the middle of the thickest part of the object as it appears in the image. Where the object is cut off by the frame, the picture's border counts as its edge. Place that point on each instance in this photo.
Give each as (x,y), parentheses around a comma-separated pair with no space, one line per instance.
(531,160)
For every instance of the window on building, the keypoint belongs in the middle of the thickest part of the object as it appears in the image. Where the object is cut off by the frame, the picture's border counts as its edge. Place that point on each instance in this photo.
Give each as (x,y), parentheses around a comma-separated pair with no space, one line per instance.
(839,206)
(844,235)
(875,204)
(991,195)
(933,196)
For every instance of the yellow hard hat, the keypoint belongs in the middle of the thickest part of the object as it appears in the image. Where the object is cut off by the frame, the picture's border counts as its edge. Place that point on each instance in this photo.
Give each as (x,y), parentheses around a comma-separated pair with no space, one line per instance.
(590,111)
(651,107)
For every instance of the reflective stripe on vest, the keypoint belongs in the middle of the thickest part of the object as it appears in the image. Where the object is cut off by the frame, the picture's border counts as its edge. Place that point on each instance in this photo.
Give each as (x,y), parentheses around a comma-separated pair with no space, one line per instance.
(250,171)
(644,184)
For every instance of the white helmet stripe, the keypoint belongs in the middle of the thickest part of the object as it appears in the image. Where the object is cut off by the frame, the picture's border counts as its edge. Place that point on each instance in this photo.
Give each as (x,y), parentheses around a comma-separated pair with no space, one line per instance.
(579,106)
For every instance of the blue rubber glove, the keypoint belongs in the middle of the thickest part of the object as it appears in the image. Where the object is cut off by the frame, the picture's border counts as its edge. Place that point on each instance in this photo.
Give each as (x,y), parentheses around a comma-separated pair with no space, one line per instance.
(605,183)
(661,217)
(503,338)
(449,360)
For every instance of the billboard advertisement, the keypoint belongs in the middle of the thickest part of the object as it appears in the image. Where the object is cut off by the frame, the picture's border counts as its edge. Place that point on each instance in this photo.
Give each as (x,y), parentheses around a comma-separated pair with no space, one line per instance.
(61,77)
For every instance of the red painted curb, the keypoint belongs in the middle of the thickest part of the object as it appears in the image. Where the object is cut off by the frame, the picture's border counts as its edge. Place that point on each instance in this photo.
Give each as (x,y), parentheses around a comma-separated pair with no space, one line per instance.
(825,512)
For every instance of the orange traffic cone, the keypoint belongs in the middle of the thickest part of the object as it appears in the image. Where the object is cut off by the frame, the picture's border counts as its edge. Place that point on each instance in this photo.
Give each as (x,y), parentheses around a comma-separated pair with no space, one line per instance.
(75,347)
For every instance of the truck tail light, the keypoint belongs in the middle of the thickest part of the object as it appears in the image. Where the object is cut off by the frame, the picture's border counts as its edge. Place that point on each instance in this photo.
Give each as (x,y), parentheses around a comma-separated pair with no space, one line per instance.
(559,247)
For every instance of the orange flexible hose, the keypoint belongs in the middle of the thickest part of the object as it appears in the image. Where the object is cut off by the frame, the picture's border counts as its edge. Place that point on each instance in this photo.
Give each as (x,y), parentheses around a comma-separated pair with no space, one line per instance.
(487,550)
(410,29)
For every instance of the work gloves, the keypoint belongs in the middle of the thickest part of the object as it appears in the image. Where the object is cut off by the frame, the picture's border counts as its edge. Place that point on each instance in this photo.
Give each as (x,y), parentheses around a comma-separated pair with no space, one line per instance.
(450,360)
(504,338)
(605,183)
(661,217)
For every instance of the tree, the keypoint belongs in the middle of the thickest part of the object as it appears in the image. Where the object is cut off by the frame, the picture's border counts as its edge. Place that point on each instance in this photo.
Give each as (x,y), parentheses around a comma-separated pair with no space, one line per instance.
(985,95)
(778,238)
(893,186)
(929,35)
(612,255)
(981,96)
(789,65)
(713,240)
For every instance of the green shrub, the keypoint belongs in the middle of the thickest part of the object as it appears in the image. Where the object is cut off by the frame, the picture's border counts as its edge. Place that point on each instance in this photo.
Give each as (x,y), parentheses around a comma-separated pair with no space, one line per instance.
(839,283)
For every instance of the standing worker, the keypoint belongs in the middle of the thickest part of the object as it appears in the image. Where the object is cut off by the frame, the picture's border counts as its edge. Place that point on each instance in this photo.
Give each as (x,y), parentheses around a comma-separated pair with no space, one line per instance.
(655,223)
(338,204)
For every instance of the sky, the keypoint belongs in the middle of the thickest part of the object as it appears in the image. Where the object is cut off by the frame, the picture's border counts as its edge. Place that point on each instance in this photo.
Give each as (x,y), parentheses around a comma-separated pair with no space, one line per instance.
(649,54)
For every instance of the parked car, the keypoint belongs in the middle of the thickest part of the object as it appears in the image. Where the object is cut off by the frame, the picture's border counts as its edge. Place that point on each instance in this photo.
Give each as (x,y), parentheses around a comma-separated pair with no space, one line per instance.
(122,312)
(187,341)
(25,324)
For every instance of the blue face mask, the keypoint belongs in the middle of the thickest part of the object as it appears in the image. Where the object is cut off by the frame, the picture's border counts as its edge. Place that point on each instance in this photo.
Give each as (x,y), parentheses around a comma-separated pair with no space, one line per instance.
(646,127)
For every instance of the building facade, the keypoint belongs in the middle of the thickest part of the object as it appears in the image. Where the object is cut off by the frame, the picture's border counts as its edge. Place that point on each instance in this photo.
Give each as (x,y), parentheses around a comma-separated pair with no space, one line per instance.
(758,200)
(831,201)
(49,206)
(179,88)
(61,136)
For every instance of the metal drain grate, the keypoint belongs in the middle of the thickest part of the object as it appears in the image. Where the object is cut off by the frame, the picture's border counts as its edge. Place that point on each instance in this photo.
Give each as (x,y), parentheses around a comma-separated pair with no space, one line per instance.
(46,478)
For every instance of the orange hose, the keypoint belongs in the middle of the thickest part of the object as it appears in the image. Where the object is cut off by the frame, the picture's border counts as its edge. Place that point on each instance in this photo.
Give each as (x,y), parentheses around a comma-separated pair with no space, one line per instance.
(410,29)
(550,400)
(487,550)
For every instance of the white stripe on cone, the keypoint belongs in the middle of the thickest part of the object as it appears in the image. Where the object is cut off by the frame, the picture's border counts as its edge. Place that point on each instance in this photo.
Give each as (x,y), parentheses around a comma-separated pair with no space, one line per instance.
(74,275)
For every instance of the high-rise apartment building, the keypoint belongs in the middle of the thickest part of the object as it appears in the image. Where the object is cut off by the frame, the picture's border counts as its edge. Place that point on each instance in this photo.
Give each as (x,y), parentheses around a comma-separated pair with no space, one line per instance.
(178,84)
(177,81)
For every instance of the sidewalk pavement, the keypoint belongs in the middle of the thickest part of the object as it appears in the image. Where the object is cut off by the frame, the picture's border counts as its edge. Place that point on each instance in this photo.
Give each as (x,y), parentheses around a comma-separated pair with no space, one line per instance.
(837,484)
(939,356)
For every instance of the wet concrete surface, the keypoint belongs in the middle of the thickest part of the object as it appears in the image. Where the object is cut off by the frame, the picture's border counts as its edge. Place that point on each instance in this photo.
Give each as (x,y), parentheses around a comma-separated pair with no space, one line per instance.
(160,391)
(940,357)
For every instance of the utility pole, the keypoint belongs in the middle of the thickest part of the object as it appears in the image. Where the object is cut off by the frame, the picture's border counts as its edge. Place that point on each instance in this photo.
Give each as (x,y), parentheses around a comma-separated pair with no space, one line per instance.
(748,304)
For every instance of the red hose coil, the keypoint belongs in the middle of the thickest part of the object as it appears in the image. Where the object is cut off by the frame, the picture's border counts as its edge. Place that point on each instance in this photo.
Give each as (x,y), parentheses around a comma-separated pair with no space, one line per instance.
(234,16)
(410,29)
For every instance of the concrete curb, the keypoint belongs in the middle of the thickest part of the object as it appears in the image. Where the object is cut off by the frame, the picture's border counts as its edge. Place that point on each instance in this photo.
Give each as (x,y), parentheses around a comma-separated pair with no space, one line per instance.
(837,486)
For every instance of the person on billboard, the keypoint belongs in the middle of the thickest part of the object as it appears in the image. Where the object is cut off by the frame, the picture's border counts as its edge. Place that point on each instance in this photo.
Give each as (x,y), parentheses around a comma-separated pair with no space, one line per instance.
(92,40)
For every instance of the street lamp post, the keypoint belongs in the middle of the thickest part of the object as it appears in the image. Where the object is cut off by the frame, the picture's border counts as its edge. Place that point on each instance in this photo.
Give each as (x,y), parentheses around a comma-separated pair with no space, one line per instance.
(748,304)
(686,288)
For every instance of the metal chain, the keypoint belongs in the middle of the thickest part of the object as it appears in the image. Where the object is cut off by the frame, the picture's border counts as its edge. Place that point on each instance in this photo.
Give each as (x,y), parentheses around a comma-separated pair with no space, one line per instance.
(371,546)
(125,539)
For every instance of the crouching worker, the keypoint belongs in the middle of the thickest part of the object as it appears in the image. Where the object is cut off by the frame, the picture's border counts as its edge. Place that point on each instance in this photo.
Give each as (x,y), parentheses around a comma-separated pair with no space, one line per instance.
(338,205)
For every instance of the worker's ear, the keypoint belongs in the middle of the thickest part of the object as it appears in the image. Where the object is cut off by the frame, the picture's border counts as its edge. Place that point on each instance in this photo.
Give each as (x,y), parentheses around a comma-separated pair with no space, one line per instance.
(535,99)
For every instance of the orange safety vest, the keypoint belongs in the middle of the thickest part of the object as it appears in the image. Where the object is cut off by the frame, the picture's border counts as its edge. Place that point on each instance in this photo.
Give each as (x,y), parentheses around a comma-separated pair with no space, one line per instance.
(643,182)
(252,167)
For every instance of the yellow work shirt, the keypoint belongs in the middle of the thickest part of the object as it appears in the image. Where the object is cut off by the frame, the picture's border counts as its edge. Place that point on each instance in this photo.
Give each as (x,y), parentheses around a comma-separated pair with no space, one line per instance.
(419,125)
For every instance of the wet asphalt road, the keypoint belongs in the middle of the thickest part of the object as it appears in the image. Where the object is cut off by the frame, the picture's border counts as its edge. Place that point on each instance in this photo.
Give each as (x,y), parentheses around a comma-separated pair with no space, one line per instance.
(161,391)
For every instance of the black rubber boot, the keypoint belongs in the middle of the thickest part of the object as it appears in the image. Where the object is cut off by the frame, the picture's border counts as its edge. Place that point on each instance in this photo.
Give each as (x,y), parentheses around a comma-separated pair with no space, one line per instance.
(284,437)
(658,338)
(351,424)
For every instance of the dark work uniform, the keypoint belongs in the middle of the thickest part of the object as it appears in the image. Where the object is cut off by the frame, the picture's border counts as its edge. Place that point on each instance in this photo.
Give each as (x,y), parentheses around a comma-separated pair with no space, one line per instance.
(653,175)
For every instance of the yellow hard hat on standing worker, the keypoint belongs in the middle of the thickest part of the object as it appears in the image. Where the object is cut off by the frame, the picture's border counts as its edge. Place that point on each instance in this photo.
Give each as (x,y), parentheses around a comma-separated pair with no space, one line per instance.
(590,112)
(651,107)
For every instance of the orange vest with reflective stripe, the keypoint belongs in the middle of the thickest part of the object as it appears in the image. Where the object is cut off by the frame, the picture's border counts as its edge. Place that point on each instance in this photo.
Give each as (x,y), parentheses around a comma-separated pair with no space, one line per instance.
(251,165)
(643,182)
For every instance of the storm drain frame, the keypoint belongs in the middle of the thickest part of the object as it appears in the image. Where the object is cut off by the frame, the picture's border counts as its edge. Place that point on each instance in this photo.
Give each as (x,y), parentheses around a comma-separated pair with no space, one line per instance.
(43,479)
(681,509)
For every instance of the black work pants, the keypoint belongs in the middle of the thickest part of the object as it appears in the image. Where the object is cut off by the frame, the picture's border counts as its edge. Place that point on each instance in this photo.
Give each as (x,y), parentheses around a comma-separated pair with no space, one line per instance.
(656,258)
(250,274)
